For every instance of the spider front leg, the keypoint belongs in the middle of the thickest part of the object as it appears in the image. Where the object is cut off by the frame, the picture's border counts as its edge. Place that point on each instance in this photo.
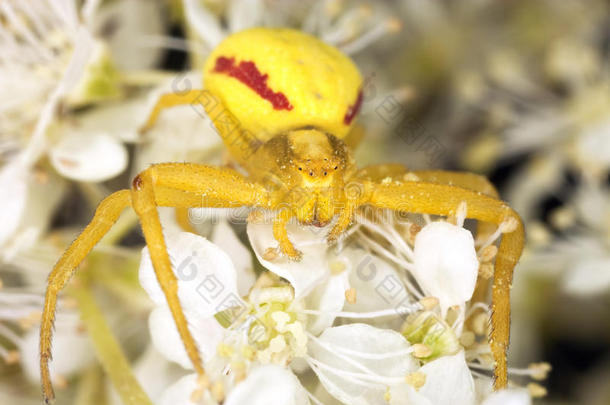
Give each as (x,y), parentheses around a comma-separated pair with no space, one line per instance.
(105,216)
(441,199)
(176,185)
(225,187)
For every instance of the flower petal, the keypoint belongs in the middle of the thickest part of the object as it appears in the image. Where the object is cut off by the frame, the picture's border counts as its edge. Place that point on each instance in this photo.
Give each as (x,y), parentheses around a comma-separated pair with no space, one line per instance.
(224,237)
(269,385)
(131,19)
(448,382)
(89,157)
(305,274)
(360,342)
(180,392)
(206,276)
(376,282)
(244,14)
(203,22)
(71,350)
(207,333)
(326,297)
(14,188)
(446,264)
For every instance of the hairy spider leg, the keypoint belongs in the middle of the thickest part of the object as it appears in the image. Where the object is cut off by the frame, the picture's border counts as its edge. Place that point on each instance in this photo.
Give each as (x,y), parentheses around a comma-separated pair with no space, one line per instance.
(471,181)
(221,185)
(442,199)
(105,216)
(172,184)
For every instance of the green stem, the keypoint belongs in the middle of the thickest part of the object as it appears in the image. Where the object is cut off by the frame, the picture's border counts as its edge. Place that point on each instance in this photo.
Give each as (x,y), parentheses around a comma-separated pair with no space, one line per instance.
(107,348)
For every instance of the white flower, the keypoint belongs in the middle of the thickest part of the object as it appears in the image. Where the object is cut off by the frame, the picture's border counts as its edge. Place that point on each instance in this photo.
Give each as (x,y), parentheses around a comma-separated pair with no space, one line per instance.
(445,263)
(351,30)
(447,381)
(581,259)
(265,385)
(358,363)
(89,156)
(72,351)
(48,56)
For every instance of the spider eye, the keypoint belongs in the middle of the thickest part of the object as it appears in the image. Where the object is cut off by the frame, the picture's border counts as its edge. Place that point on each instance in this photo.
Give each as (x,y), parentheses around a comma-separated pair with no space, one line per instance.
(300,168)
(325,173)
(336,167)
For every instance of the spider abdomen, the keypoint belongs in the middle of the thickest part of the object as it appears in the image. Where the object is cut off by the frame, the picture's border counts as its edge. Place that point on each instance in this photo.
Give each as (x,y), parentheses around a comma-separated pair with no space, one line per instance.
(276,80)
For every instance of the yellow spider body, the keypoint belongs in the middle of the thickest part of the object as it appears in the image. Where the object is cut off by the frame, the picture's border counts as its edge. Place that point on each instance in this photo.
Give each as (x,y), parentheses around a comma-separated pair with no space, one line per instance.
(301,82)
(284,104)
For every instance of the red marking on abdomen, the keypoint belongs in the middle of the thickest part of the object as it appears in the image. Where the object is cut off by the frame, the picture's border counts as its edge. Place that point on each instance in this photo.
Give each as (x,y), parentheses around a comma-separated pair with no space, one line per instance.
(353,109)
(247,73)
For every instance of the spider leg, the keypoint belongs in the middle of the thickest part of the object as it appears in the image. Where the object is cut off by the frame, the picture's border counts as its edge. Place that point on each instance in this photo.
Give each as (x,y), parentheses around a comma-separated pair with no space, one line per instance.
(105,216)
(221,184)
(182,218)
(471,181)
(176,185)
(169,100)
(281,234)
(442,199)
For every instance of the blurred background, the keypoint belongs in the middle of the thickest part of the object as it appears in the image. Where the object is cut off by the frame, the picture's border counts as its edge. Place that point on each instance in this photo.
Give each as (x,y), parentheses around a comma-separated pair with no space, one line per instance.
(516,90)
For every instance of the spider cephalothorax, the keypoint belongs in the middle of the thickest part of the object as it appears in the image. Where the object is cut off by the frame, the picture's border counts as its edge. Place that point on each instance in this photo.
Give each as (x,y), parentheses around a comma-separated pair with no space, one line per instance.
(284,104)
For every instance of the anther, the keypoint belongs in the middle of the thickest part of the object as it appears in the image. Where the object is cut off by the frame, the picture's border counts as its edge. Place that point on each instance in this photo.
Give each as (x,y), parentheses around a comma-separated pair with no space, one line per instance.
(416,380)
(350,295)
(421,350)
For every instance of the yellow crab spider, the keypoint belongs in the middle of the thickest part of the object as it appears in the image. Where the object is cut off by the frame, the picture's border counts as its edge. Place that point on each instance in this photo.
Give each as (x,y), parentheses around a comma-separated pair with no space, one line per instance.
(284,104)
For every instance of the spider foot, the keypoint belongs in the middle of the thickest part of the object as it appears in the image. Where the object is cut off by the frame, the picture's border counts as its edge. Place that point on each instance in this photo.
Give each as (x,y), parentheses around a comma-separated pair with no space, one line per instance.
(335,234)
(294,255)
(291,252)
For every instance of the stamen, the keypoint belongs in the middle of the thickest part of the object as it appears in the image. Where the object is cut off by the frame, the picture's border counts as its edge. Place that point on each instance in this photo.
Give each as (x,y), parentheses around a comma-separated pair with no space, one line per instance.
(350,295)
(467,338)
(491,239)
(406,249)
(393,236)
(368,315)
(416,380)
(429,303)
(381,250)
(487,253)
(218,391)
(8,334)
(421,350)
(347,26)
(461,214)
(536,390)
(314,364)
(391,25)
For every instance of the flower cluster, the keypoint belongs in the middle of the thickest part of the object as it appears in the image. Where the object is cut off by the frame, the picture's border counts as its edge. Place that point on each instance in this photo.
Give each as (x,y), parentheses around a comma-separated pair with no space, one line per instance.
(388,316)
